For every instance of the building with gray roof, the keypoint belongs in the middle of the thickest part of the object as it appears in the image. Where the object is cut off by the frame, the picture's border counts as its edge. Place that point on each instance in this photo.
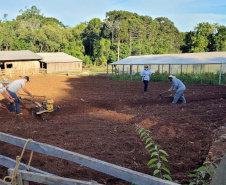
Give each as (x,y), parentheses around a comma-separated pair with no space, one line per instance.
(18,61)
(59,61)
(173,63)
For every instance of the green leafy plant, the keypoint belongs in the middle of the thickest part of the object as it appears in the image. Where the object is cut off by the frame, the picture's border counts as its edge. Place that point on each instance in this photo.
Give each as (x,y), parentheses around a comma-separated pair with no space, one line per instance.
(203,78)
(204,174)
(158,155)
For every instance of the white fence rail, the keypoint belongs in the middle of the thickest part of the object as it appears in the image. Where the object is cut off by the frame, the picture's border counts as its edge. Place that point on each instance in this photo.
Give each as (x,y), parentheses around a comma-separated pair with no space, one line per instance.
(107,168)
(10,163)
(47,179)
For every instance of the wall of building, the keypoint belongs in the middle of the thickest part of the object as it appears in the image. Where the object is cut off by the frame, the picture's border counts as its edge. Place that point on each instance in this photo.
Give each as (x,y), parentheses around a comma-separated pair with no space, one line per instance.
(21,67)
(60,67)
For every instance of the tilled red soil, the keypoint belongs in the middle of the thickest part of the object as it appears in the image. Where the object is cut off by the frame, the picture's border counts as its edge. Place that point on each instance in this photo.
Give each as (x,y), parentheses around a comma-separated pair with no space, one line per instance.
(97,118)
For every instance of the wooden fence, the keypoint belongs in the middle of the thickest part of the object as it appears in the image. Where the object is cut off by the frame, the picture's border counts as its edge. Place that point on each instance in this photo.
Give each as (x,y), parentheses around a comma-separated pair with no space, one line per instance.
(101,166)
(2,72)
(13,72)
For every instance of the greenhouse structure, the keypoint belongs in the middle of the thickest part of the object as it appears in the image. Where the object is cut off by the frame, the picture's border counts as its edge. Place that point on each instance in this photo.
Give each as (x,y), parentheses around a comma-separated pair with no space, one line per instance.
(210,62)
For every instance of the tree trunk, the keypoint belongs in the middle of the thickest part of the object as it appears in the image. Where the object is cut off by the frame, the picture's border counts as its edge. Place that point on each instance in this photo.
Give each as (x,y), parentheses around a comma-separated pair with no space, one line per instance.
(118,48)
(112,37)
(130,41)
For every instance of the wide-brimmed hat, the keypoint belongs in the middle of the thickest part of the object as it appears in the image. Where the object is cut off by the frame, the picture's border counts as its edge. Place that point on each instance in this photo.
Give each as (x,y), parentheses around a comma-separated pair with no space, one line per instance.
(5,81)
(171,76)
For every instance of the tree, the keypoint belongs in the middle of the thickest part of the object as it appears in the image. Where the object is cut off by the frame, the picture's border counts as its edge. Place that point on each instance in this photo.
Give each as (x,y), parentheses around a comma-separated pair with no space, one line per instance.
(201,38)
(167,39)
(49,39)
(220,38)
(7,35)
(102,51)
(28,13)
(92,33)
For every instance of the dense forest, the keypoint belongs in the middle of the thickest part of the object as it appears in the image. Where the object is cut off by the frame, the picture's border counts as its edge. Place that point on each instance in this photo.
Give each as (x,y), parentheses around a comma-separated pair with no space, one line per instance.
(119,35)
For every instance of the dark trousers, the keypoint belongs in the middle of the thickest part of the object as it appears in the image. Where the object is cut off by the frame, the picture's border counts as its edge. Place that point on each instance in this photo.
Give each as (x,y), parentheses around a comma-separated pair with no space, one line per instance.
(145,85)
(17,102)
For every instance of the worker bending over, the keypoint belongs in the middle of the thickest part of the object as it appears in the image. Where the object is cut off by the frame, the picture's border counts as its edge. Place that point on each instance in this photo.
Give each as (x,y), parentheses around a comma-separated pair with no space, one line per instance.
(13,89)
(180,87)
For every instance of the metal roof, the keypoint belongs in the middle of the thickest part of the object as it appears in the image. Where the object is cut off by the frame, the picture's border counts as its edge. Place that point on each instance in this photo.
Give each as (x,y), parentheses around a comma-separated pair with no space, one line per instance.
(18,55)
(176,59)
(58,57)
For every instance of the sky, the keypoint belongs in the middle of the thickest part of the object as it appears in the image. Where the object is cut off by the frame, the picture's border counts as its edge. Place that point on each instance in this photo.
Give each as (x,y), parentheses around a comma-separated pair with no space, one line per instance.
(185,14)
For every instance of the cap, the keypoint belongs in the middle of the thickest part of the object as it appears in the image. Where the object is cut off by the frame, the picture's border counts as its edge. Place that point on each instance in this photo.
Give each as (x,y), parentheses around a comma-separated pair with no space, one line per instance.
(171,76)
(145,66)
(27,78)
(5,81)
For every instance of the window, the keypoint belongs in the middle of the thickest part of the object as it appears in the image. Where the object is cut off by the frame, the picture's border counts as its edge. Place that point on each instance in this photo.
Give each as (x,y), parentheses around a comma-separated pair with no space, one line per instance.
(9,66)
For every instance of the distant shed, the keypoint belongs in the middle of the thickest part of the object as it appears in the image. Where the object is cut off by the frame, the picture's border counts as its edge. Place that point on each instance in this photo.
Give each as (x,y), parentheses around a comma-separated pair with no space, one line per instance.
(60,61)
(173,63)
(19,61)
(175,59)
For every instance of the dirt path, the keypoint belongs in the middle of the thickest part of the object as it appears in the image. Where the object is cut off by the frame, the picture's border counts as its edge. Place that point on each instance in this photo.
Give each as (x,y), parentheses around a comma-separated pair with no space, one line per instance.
(97,118)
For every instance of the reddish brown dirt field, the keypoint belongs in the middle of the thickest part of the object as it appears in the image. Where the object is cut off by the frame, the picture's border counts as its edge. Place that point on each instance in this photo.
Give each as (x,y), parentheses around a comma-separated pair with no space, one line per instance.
(97,118)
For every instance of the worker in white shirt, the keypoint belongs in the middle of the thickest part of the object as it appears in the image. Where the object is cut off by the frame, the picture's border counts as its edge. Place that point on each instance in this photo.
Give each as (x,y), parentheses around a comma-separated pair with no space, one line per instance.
(146,73)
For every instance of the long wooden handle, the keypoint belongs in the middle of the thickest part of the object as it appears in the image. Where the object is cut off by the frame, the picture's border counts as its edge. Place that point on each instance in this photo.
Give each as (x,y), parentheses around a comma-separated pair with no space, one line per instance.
(33,95)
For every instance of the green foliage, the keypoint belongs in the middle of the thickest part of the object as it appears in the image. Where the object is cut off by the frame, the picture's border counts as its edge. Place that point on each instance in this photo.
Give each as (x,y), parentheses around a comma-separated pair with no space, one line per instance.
(99,40)
(158,155)
(205,38)
(204,174)
(203,78)
(86,60)
(158,77)
(122,77)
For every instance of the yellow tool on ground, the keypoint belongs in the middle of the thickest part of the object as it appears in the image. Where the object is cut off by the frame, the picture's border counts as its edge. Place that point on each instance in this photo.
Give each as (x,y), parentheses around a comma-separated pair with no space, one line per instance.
(45,106)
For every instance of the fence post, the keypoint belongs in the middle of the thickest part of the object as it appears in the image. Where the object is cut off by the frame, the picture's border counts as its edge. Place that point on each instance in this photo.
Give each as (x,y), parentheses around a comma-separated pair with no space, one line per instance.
(26,182)
(201,73)
(187,69)
(220,74)
(19,179)
(131,75)
(219,176)
(193,73)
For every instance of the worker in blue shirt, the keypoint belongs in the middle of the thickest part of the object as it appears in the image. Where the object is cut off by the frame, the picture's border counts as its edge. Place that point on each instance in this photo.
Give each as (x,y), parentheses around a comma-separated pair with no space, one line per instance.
(146,73)
(180,87)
